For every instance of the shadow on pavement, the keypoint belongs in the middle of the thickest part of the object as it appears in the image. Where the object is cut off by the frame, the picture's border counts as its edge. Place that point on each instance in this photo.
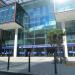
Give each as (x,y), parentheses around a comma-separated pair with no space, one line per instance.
(21,68)
(10,73)
(42,68)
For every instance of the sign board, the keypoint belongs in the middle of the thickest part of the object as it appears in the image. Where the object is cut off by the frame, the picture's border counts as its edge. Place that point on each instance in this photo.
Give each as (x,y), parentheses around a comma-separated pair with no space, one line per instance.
(33,46)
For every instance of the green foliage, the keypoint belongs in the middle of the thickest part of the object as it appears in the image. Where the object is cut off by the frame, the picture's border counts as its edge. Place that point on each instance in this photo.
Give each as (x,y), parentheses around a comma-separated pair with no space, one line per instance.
(55,36)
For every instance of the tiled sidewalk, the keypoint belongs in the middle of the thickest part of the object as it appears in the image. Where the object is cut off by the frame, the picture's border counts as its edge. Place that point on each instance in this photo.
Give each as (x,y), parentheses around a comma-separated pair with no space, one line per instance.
(41,66)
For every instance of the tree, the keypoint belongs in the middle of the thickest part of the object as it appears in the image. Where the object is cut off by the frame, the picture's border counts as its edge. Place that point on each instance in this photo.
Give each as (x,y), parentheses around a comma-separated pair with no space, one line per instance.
(55,39)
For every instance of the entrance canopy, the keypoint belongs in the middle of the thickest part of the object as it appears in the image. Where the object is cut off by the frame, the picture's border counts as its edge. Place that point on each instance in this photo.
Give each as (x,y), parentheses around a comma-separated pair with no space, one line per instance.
(65,16)
(11,25)
(11,16)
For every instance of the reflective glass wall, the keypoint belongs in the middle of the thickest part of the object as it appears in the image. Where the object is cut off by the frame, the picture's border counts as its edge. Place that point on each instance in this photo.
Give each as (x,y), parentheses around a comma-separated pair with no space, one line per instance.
(19,14)
(37,21)
(70,34)
(70,29)
(66,5)
(12,13)
(41,16)
(41,20)
(7,14)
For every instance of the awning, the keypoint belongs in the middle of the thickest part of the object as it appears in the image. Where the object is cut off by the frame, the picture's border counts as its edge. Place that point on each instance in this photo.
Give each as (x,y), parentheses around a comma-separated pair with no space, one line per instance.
(65,16)
(11,25)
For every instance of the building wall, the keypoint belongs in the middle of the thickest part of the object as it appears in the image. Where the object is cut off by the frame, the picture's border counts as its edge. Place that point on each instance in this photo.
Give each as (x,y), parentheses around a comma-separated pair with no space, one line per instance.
(62,6)
(38,20)
(7,14)
(41,20)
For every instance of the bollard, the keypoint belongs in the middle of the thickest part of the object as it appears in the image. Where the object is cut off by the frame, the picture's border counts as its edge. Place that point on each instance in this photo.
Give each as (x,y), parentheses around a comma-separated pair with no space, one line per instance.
(29,54)
(8,64)
(29,62)
(55,63)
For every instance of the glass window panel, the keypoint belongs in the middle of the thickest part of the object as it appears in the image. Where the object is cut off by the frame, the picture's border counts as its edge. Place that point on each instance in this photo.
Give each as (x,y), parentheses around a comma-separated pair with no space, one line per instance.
(29,34)
(20,13)
(39,41)
(26,42)
(70,51)
(73,50)
(6,14)
(40,33)
(29,41)
(38,52)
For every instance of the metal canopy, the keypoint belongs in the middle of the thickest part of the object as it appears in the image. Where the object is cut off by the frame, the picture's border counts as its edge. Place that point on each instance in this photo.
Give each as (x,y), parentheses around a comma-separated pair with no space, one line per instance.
(11,25)
(65,16)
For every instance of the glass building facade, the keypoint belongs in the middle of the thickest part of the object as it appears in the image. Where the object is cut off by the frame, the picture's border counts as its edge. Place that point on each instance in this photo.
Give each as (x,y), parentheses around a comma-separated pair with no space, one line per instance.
(37,23)
(6,15)
(38,19)
(12,13)
(41,20)
(11,18)
(65,6)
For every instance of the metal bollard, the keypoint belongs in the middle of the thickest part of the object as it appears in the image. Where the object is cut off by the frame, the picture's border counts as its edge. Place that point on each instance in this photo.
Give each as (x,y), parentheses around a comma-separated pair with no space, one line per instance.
(8,64)
(29,63)
(55,63)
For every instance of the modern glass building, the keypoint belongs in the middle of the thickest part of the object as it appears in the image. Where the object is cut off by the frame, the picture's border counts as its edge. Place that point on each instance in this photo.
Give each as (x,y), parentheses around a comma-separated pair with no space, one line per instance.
(65,18)
(34,18)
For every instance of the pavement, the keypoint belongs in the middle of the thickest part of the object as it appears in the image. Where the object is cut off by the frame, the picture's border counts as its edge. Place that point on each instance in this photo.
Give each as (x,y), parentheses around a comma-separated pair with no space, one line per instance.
(40,66)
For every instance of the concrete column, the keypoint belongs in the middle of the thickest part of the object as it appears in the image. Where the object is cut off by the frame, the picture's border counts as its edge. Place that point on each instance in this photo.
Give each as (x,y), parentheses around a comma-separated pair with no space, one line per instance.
(65,41)
(15,42)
